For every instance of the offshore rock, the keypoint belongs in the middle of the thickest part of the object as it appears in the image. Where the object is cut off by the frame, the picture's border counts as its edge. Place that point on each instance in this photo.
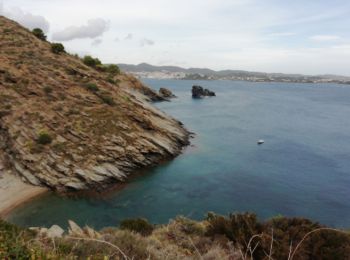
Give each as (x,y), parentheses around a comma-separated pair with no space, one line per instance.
(200,92)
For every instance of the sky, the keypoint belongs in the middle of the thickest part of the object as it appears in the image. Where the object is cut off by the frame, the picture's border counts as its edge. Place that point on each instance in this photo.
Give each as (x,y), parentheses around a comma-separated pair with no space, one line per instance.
(299,36)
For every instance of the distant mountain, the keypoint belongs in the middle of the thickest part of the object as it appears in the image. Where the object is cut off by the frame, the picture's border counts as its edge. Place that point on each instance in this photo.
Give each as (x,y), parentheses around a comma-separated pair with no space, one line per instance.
(145,70)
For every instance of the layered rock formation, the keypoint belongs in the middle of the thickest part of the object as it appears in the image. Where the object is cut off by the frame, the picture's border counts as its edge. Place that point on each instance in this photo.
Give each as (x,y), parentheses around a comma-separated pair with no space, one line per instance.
(166,93)
(200,92)
(67,126)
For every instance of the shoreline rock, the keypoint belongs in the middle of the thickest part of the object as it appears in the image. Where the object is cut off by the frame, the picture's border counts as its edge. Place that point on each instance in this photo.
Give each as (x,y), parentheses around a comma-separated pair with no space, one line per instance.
(166,93)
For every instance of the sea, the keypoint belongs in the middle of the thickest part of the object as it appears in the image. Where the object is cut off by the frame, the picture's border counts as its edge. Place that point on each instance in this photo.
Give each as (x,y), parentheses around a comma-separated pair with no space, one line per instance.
(302,169)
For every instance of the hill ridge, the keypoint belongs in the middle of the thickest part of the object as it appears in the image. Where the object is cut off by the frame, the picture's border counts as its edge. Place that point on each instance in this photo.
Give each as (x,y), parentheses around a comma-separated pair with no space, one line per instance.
(146,70)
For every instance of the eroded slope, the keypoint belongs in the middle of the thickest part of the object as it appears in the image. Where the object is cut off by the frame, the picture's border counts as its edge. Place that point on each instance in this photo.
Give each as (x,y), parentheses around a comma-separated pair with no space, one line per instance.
(68,126)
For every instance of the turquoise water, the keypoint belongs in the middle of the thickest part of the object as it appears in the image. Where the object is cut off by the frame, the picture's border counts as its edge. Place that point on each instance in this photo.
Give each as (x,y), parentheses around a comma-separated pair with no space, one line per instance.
(303,169)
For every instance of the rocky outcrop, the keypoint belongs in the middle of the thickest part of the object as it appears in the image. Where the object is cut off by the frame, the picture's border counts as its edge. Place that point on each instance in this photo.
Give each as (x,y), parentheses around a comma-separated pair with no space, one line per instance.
(75,131)
(166,93)
(150,94)
(200,92)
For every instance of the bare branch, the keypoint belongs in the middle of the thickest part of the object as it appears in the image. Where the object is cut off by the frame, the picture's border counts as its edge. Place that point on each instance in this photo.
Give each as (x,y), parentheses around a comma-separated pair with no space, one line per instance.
(311,232)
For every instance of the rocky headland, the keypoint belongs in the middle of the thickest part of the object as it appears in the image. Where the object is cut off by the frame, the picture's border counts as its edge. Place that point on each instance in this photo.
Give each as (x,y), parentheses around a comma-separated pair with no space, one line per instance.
(68,126)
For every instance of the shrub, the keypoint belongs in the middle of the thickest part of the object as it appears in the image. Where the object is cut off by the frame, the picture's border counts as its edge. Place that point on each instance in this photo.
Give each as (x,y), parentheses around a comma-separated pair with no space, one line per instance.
(44,138)
(239,228)
(12,242)
(92,87)
(101,68)
(39,34)
(189,226)
(113,69)
(138,225)
(57,48)
(110,80)
(106,98)
(48,90)
(325,244)
(91,62)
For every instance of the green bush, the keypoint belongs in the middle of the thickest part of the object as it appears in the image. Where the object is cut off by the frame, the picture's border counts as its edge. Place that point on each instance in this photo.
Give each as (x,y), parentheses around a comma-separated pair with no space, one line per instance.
(12,242)
(240,228)
(101,67)
(57,48)
(325,244)
(91,62)
(44,138)
(138,225)
(110,80)
(48,90)
(107,99)
(39,34)
(237,227)
(113,69)
(92,87)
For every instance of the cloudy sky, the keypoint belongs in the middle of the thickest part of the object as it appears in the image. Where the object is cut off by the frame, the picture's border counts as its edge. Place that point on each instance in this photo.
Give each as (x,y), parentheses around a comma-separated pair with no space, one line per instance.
(299,36)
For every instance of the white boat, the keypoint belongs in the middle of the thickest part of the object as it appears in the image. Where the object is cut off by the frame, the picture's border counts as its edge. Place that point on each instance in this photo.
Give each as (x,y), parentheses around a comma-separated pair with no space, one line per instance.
(261,141)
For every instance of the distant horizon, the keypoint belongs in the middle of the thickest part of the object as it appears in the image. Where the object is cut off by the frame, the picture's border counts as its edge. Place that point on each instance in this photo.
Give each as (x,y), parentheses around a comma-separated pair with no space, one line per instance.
(187,68)
(299,37)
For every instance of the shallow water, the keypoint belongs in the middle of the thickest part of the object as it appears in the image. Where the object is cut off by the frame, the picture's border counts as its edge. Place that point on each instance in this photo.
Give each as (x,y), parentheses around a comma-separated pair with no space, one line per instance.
(303,169)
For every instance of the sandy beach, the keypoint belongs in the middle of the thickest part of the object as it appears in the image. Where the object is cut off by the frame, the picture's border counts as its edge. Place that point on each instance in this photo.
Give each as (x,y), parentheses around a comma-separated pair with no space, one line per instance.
(13,192)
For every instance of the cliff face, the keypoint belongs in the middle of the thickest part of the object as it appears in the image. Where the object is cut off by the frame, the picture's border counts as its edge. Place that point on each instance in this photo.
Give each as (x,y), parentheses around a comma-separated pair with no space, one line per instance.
(68,126)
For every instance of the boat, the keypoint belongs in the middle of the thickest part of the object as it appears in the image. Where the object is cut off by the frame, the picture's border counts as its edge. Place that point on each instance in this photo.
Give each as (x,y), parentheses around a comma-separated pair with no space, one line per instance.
(260,142)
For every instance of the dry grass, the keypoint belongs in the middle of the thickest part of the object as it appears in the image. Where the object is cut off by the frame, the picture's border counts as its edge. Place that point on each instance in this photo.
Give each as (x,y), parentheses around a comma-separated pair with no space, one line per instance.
(183,238)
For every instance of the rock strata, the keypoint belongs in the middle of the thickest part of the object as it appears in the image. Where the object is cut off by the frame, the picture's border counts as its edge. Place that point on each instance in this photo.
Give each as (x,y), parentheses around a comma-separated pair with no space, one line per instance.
(75,131)
(166,93)
(200,92)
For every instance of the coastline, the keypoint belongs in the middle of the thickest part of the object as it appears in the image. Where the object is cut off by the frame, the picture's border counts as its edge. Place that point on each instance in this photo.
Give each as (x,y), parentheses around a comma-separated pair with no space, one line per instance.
(14,192)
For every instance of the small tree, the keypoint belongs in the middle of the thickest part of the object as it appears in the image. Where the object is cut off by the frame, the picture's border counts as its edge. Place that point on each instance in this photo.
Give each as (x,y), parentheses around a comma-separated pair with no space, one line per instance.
(39,34)
(57,48)
(113,69)
(91,62)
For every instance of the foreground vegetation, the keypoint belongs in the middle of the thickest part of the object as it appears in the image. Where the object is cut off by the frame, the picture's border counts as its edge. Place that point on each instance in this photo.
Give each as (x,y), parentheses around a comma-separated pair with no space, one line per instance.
(237,236)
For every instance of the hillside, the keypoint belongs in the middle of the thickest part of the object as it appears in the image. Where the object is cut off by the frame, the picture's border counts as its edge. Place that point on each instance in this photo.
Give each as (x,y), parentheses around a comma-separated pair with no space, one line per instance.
(233,237)
(68,126)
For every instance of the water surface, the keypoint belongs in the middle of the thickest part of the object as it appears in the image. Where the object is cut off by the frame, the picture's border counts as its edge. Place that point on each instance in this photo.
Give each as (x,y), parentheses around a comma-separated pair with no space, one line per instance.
(303,169)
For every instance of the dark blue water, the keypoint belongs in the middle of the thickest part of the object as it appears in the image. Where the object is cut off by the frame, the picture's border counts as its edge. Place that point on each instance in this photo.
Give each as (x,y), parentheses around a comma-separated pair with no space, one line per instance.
(303,169)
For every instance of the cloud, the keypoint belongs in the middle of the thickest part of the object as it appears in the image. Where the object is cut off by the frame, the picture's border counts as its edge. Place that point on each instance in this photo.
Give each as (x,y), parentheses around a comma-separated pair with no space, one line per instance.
(26,19)
(117,39)
(93,29)
(146,42)
(96,42)
(324,38)
(129,37)
(238,34)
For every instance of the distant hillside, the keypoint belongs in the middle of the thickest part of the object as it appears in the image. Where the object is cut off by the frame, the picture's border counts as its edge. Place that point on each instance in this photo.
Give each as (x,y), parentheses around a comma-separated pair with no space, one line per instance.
(145,70)
(69,126)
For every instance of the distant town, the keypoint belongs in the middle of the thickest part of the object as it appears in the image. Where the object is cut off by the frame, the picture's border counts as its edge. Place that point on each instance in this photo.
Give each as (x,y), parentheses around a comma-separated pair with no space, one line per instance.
(145,70)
